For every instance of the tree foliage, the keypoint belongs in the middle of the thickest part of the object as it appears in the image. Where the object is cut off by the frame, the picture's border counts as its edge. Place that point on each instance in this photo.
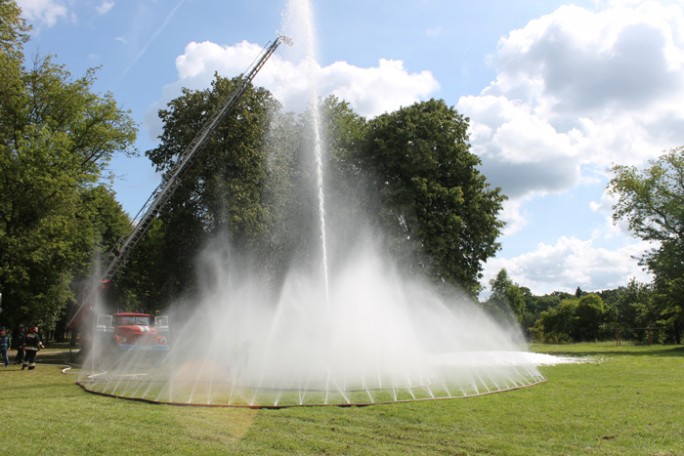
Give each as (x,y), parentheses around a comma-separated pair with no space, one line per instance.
(652,202)
(56,139)
(254,183)
(257,182)
(574,319)
(433,203)
(590,318)
(224,189)
(624,313)
(507,299)
(557,324)
(636,316)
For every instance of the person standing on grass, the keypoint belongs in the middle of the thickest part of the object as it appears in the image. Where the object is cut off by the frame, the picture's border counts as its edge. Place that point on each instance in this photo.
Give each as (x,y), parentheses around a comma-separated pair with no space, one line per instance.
(5,344)
(31,347)
(21,338)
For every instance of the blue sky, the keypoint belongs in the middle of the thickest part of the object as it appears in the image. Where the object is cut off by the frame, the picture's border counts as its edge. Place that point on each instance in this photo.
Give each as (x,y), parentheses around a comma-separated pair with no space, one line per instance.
(556,92)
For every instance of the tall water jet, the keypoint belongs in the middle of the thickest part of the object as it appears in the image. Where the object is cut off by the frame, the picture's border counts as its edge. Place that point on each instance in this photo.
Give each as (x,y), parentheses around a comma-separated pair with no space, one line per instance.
(362,331)
(299,23)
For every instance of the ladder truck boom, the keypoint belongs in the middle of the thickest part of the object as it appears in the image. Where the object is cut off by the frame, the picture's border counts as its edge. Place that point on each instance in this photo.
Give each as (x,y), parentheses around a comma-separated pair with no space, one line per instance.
(146,215)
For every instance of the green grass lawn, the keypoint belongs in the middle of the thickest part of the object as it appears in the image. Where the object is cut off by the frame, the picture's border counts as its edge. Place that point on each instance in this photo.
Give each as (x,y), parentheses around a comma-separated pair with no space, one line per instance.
(630,400)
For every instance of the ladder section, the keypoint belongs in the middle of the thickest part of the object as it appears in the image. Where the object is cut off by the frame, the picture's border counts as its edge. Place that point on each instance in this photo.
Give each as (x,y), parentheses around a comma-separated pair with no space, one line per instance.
(143,220)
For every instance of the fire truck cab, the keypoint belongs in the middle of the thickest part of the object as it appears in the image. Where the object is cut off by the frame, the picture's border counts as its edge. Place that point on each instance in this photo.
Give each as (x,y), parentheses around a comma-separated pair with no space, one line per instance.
(133,331)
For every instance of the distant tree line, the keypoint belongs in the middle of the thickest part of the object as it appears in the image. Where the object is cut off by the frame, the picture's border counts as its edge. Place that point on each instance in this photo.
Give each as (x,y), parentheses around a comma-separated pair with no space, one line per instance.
(628,313)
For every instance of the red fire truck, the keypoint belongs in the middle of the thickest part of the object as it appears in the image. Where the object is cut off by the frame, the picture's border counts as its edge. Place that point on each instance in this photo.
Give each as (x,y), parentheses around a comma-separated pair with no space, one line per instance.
(133,331)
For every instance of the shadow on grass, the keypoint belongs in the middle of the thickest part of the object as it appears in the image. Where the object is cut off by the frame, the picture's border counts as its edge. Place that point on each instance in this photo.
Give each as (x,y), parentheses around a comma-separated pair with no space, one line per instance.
(59,356)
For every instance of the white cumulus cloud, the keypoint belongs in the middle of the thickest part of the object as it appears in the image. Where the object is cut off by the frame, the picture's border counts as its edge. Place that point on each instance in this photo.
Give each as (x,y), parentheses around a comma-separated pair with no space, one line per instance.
(370,91)
(104,7)
(580,88)
(43,12)
(570,263)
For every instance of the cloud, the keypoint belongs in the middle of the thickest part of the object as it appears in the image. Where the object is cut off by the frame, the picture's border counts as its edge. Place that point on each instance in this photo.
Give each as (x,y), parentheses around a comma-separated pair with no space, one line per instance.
(47,13)
(435,32)
(370,91)
(570,263)
(512,213)
(579,90)
(43,12)
(104,7)
(576,91)
(589,61)
(373,91)
(521,151)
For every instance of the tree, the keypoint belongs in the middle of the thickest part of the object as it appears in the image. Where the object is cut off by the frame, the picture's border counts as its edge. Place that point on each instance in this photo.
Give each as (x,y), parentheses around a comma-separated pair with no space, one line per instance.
(258,185)
(436,208)
(558,324)
(56,139)
(13,36)
(507,300)
(224,194)
(652,202)
(141,284)
(535,305)
(636,315)
(589,319)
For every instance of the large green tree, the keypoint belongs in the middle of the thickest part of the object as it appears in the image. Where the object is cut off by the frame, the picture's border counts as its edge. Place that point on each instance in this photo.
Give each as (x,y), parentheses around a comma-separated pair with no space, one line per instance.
(651,200)
(254,184)
(409,172)
(56,139)
(223,190)
(438,210)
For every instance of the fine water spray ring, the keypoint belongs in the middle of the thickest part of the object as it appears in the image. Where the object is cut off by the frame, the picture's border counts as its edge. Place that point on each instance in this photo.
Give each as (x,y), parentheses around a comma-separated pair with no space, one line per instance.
(85,387)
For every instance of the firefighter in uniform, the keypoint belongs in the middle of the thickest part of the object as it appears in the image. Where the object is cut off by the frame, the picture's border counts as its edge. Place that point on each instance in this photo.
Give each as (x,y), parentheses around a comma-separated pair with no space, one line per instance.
(31,346)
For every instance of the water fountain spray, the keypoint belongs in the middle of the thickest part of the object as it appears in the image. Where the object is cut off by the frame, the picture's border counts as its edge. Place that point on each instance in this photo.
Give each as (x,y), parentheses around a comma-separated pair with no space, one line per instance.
(364,333)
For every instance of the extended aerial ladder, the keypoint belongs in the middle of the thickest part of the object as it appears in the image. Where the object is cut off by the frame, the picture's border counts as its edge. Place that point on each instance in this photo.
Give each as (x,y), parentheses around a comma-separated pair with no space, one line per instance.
(146,215)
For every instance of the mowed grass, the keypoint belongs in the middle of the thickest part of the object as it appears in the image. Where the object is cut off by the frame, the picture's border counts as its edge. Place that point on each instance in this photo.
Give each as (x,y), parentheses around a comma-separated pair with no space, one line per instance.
(628,401)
